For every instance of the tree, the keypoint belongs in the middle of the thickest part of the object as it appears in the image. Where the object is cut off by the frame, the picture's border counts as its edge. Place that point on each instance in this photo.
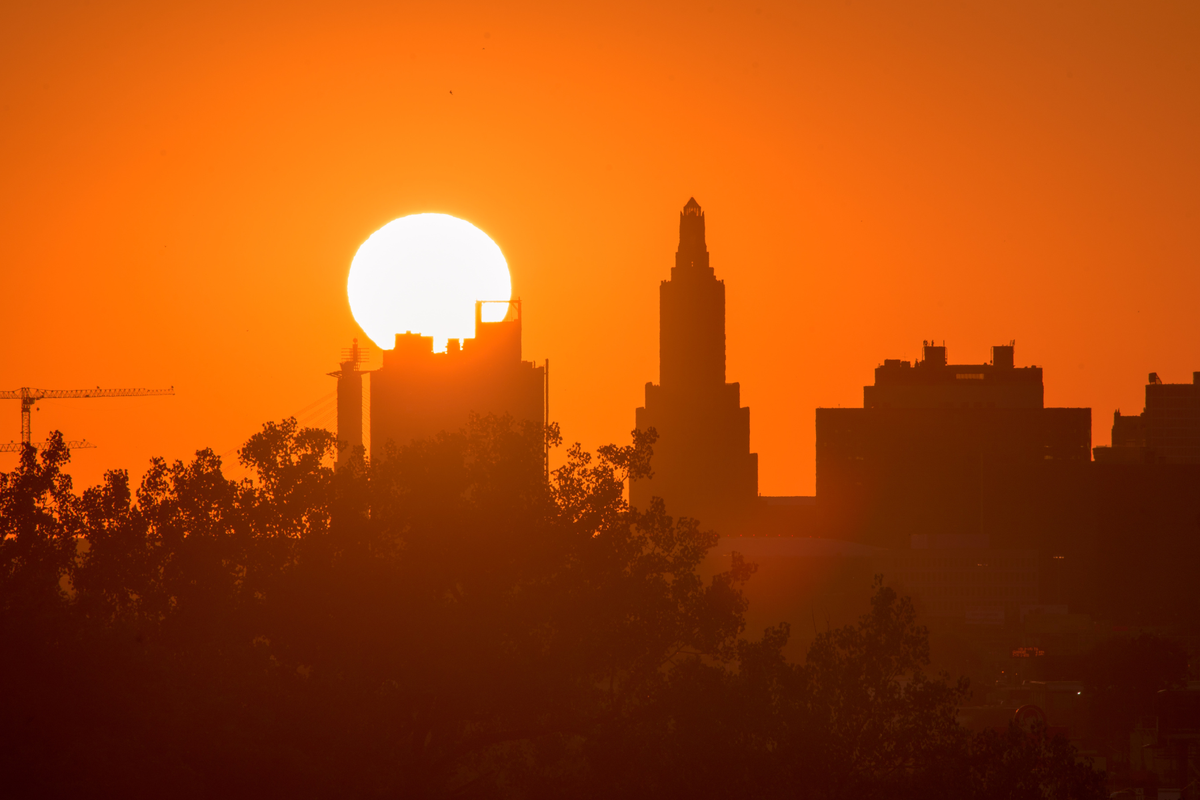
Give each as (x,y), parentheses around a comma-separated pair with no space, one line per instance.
(1027,765)
(39,521)
(1122,677)
(444,620)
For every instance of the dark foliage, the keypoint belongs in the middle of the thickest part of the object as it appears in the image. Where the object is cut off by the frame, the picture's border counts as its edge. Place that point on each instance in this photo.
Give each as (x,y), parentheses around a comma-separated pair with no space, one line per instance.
(1122,678)
(441,622)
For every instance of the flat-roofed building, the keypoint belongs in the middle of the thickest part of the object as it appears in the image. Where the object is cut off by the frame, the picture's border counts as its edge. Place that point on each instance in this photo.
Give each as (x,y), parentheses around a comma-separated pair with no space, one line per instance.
(953,449)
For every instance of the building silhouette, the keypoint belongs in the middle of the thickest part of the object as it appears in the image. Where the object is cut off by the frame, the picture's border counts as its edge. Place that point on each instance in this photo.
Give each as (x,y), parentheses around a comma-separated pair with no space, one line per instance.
(943,449)
(702,464)
(1166,432)
(1148,509)
(418,393)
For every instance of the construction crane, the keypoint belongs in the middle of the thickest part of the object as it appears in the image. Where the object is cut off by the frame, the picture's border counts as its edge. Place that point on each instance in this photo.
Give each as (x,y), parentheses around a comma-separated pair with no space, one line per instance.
(16,447)
(29,397)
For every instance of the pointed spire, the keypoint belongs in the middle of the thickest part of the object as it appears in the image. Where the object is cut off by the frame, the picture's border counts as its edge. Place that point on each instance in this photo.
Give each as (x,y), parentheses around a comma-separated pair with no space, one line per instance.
(692,249)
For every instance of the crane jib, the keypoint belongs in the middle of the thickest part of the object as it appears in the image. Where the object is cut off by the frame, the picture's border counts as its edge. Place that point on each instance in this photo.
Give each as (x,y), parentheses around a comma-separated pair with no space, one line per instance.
(29,395)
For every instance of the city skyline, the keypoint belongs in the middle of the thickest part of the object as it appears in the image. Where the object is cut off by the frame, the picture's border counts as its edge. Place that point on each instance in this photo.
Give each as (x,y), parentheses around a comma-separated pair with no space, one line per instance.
(864,206)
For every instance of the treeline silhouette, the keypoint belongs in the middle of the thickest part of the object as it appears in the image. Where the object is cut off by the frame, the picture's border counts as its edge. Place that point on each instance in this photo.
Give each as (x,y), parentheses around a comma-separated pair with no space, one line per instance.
(443,622)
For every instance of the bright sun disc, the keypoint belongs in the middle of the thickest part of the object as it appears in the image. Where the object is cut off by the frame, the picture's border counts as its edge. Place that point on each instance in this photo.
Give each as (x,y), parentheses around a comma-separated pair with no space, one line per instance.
(423,273)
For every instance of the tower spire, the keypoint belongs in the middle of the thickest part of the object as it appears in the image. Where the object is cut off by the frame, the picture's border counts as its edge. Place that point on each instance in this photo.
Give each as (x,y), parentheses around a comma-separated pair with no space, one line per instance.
(693,252)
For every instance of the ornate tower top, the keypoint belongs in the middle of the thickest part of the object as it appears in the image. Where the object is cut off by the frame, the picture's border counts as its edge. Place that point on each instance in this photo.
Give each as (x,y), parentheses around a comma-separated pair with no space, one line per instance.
(692,250)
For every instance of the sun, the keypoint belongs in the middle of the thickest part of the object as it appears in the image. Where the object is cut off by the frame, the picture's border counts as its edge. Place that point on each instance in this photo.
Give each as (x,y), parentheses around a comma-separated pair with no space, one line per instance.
(422,274)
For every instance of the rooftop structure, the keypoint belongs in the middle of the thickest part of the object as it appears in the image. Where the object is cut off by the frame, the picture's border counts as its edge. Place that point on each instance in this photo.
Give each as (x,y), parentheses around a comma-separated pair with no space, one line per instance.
(933,383)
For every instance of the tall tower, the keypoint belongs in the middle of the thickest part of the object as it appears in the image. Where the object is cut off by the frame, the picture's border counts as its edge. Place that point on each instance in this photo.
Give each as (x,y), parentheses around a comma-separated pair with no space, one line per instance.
(702,463)
(349,401)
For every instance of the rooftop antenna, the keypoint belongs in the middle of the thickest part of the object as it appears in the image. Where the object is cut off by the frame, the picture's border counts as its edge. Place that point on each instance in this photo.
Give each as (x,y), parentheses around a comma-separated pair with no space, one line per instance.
(354,355)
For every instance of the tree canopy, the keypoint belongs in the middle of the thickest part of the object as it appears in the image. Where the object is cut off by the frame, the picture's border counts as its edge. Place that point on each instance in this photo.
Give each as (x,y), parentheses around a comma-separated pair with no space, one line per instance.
(444,621)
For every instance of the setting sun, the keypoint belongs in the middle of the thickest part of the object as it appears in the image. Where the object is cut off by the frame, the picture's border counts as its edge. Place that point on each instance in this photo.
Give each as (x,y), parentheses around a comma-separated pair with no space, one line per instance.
(422,274)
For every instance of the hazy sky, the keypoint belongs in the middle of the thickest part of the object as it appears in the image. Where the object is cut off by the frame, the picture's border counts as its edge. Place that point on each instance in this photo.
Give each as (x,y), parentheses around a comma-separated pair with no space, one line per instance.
(184,185)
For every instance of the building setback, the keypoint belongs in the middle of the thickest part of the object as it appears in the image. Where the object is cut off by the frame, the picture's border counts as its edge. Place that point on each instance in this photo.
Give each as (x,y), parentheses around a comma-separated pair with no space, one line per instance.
(702,464)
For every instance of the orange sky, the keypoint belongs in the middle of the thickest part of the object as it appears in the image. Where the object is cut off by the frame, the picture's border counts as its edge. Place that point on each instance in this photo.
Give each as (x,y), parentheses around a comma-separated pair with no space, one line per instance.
(183,187)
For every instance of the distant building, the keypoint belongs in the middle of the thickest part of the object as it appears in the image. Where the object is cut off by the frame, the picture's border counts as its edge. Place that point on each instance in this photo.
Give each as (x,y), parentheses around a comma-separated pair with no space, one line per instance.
(703,467)
(1148,509)
(417,393)
(952,449)
(1166,432)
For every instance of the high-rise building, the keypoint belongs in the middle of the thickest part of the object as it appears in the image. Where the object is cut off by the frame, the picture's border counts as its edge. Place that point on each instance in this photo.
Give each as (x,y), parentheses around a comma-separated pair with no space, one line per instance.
(702,464)
(956,449)
(417,393)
